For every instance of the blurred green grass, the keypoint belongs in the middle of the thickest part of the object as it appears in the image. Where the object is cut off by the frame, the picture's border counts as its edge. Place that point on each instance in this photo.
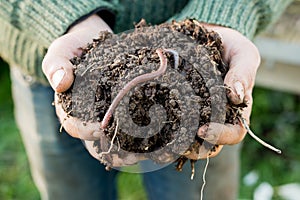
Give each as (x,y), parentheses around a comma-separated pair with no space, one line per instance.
(15,179)
(275,118)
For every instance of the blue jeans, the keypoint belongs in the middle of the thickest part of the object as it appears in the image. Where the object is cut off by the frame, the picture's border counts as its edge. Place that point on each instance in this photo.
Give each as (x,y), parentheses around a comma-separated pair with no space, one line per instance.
(63,169)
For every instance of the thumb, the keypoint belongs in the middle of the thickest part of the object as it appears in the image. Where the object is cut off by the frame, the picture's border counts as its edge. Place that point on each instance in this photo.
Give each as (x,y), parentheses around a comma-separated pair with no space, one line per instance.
(59,71)
(222,134)
(241,76)
(243,59)
(56,64)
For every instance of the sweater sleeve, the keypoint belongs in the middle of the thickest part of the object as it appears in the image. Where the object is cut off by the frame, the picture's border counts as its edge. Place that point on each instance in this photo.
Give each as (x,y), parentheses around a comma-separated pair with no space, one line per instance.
(46,20)
(249,17)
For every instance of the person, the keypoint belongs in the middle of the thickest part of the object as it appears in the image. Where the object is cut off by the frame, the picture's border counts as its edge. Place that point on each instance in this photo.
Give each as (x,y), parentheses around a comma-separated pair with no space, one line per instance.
(60,165)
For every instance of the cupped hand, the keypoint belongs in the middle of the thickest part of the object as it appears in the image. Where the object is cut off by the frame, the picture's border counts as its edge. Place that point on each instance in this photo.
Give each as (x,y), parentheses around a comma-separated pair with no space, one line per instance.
(56,64)
(243,59)
(59,71)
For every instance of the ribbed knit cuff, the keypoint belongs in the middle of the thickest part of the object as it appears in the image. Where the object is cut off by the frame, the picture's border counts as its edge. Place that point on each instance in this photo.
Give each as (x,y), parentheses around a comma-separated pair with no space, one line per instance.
(246,16)
(47,20)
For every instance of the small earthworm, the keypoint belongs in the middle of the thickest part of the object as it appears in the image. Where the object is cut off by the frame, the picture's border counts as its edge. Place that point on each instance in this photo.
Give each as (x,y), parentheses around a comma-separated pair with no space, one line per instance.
(137,80)
(175,55)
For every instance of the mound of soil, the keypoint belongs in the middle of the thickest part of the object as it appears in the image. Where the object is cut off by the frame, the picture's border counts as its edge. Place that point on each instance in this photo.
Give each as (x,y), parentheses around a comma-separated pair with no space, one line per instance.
(158,118)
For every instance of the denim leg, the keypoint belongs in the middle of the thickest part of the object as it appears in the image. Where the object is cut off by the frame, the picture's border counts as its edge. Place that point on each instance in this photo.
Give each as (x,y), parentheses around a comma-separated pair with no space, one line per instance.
(60,165)
(221,179)
(169,184)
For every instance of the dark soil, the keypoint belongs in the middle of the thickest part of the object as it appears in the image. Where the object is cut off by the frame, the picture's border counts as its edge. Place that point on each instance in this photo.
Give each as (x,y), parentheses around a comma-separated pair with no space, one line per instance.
(174,106)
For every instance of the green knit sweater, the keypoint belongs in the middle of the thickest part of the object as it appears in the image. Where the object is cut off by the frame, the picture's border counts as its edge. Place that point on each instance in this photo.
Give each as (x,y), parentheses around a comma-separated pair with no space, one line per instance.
(28,27)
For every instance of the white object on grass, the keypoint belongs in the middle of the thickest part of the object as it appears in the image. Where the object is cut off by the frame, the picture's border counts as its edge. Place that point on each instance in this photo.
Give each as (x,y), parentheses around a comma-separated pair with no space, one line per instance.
(251,178)
(263,192)
(289,191)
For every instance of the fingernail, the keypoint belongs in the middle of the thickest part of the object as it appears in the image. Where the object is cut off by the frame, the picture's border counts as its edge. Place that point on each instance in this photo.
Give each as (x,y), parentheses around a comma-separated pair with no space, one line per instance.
(239,90)
(57,77)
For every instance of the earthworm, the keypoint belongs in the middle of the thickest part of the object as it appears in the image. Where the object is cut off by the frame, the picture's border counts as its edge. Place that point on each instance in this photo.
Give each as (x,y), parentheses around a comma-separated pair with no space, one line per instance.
(137,80)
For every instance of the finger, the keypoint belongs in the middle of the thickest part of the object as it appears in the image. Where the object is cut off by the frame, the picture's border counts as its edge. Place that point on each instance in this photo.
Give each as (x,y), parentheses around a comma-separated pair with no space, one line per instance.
(76,127)
(56,64)
(59,72)
(243,59)
(241,75)
(116,161)
(222,134)
(241,78)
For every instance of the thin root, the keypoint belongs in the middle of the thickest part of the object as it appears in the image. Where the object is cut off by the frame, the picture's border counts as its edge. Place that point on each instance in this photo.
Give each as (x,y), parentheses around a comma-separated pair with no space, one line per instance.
(193,168)
(119,146)
(85,71)
(180,163)
(111,142)
(257,138)
(203,177)
(61,125)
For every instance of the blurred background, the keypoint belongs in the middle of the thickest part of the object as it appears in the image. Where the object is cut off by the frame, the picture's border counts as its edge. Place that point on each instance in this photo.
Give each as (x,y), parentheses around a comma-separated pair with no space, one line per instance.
(275,118)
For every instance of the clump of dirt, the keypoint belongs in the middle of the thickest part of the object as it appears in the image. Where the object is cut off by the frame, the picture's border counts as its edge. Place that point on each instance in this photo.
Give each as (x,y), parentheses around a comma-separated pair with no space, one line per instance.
(172,106)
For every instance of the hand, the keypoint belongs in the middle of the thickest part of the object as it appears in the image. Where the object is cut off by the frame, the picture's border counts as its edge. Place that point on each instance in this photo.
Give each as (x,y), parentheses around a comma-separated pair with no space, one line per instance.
(243,59)
(59,70)
(56,64)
